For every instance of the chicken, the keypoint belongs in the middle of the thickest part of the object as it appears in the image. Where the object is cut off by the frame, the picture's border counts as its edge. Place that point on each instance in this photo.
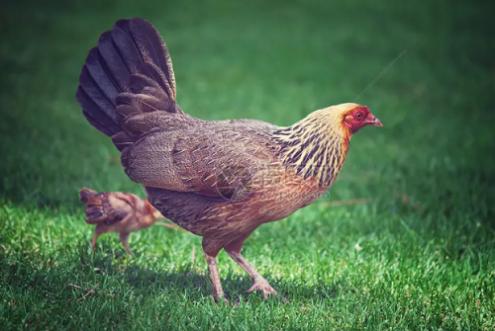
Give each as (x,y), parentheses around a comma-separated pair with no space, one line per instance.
(217,179)
(117,212)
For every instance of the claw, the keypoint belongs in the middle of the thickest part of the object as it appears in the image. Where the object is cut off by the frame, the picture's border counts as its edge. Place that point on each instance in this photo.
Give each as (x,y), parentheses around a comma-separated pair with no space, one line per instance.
(263,286)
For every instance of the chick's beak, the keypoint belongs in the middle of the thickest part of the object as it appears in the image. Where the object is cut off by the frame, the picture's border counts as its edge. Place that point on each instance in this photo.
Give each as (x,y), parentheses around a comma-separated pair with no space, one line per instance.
(373,120)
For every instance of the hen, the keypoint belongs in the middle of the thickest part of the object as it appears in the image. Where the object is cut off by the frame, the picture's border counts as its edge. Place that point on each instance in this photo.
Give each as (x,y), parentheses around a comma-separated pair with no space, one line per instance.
(217,179)
(117,212)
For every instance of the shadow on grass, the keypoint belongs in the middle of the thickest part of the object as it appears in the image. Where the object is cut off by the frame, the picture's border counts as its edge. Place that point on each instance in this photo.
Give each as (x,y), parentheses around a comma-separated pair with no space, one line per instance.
(235,287)
(197,285)
(85,276)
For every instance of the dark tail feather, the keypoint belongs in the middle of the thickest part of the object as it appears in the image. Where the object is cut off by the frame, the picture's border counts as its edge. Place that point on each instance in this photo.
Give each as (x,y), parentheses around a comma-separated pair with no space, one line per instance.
(151,47)
(129,59)
(97,107)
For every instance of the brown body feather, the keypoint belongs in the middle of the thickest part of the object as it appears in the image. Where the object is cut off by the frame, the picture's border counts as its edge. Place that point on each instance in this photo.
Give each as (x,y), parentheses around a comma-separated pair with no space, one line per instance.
(217,179)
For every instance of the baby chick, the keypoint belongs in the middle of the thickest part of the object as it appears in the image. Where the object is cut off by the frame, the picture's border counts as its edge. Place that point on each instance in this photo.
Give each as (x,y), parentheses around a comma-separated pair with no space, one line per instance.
(117,212)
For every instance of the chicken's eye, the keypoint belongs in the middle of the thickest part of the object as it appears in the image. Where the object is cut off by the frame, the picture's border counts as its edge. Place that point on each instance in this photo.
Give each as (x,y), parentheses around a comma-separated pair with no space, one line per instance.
(359,116)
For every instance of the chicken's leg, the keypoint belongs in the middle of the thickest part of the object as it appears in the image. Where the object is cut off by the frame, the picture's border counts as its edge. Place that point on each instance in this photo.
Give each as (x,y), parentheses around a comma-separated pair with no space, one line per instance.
(211,249)
(259,282)
(215,277)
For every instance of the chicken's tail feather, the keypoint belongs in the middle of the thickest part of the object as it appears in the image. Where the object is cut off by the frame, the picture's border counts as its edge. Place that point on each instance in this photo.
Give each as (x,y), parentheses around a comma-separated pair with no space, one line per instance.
(128,73)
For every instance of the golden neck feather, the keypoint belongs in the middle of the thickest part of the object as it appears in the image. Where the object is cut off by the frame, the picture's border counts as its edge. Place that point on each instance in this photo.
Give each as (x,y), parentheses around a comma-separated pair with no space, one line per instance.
(316,146)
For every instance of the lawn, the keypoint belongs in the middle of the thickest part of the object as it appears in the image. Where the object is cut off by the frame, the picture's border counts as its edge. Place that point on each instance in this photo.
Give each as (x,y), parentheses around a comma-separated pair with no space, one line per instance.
(405,239)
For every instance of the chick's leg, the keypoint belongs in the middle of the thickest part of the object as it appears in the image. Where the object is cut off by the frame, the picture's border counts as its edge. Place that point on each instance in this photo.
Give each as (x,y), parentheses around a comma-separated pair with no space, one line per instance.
(211,260)
(124,239)
(99,230)
(259,282)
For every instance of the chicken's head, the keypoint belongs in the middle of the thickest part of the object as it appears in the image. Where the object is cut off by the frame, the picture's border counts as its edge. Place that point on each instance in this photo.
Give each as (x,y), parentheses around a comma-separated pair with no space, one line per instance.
(355,116)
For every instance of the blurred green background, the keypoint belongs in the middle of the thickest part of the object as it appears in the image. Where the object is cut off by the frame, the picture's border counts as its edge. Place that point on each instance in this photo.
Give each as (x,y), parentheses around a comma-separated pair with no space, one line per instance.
(405,240)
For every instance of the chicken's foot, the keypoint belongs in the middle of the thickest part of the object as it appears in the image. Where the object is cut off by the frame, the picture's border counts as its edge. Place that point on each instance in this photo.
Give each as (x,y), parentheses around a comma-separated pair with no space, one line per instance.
(259,282)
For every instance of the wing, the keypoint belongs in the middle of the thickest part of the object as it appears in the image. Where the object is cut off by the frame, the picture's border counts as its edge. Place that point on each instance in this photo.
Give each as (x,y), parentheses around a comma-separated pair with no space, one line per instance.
(218,163)
(106,207)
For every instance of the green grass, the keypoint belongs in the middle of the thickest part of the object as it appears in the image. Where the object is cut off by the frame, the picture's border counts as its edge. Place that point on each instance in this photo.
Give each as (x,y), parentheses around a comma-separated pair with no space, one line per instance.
(416,249)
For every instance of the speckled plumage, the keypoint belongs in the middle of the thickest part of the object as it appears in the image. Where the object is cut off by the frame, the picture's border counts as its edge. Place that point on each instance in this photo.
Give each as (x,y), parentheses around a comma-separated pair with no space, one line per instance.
(217,179)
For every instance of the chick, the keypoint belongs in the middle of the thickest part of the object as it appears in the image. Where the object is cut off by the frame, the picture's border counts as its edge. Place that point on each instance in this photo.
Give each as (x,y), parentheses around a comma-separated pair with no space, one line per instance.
(117,212)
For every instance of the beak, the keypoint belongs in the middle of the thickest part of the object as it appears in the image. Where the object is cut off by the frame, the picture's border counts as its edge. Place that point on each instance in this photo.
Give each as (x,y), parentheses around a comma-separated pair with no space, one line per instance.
(372,120)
